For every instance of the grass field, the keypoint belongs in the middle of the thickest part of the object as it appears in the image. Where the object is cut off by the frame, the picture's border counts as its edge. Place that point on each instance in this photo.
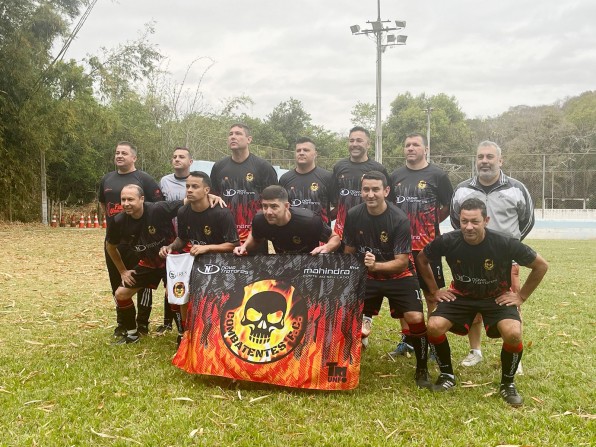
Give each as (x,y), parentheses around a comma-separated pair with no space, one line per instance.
(62,383)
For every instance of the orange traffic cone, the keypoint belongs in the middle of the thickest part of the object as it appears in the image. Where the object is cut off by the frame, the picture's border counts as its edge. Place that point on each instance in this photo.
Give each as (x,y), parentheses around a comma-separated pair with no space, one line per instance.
(73,221)
(62,221)
(104,222)
(82,221)
(95,221)
(54,223)
(89,222)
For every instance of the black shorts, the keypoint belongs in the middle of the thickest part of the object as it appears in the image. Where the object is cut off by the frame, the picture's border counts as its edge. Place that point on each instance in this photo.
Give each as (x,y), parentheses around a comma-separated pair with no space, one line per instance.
(437,268)
(462,312)
(146,277)
(403,294)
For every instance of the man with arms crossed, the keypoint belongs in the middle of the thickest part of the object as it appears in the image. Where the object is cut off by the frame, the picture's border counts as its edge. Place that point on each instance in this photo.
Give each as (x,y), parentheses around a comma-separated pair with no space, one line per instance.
(380,233)
(201,229)
(241,178)
(423,191)
(480,262)
(110,189)
(290,230)
(144,227)
(509,207)
(308,185)
(173,187)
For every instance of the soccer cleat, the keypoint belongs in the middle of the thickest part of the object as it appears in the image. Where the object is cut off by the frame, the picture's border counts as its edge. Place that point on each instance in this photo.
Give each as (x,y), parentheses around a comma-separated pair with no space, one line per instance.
(510,395)
(402,348)
(366,326)
(163,328)
(519,371)
(119,331)
(143,329)
(473,358)
(445,382)
(128,339)
(423,379)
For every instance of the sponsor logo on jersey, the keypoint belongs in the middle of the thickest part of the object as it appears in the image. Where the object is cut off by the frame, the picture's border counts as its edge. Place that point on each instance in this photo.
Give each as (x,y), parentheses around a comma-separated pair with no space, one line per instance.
(314,186)
(208,269)
(151,229)
(384,236)
(207,230)
(249,176)
(421,184)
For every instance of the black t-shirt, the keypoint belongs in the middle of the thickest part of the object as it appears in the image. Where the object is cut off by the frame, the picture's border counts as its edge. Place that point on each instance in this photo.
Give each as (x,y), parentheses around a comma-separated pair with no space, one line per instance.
(240,185)
(345,193)
(483,270)
(148,234)
(301,234)
(385,236)
(420,194)
(212,226)
(111,186)
(310,191)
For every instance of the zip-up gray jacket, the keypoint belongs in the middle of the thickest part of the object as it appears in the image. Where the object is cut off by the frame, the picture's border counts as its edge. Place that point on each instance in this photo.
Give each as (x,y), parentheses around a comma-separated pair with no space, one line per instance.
(508,205)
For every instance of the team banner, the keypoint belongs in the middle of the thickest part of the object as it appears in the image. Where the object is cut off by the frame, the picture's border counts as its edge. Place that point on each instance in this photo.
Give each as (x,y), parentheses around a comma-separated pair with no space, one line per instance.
(291,320)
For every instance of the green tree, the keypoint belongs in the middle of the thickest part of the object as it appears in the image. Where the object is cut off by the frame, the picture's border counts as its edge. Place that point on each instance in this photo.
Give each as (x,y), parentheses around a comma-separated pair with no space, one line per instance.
(290,119)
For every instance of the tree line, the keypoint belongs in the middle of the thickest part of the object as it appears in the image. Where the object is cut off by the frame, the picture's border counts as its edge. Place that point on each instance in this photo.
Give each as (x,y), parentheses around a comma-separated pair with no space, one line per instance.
(60,118)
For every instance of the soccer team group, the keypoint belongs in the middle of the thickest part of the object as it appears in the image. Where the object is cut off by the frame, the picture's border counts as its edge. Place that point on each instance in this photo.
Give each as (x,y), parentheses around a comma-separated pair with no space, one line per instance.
(389,222)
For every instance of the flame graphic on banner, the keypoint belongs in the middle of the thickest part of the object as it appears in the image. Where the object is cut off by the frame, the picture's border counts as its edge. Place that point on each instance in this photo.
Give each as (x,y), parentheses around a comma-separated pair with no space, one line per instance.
(326,355)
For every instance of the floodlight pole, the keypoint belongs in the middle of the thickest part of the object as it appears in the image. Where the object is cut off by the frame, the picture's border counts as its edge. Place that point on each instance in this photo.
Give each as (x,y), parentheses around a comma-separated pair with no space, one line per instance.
(428,110)
(379,30)
(378,122)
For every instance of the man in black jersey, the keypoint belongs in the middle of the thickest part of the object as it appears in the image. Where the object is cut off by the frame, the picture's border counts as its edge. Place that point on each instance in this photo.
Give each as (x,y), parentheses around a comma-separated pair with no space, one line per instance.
(308,185)
(423,191)
(290,230)
(201,229)
(144,228)
(109,196)
(347,174)
(241,178)
(379,232)
(480,262)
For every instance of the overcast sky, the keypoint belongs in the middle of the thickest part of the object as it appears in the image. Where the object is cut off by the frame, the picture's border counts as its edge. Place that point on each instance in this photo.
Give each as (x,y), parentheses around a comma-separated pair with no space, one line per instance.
(490,55)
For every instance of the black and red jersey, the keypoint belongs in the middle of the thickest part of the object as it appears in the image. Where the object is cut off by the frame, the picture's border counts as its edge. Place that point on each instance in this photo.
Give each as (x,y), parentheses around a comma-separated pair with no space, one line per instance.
(301,234)
(111,186)
(347,177)
(146,235)
(212,226)
(480,271)
(240,185)
(420,194)
(385,236)
(310,191)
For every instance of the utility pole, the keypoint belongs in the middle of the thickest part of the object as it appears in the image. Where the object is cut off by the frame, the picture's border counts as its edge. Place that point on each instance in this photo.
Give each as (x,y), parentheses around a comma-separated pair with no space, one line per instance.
(428,110)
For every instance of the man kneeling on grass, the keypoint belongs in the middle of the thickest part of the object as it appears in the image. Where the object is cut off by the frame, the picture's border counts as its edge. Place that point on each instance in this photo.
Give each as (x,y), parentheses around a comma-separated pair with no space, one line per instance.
(145,227)
(480,262)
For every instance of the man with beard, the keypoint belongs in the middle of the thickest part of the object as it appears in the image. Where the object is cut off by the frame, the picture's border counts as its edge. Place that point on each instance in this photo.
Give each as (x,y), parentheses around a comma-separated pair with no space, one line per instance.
(511,211)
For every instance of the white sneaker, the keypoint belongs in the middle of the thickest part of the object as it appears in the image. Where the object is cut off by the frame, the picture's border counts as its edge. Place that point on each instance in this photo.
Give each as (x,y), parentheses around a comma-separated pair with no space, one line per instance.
(366,326)
(520,370)
(473,358)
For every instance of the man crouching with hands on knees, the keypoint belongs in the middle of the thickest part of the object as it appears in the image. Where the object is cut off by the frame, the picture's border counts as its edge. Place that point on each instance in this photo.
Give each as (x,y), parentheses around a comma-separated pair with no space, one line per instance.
(480,262)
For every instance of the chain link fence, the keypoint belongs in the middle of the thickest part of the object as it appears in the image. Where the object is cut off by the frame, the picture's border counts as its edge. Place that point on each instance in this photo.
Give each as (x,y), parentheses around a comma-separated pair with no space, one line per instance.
(555,181)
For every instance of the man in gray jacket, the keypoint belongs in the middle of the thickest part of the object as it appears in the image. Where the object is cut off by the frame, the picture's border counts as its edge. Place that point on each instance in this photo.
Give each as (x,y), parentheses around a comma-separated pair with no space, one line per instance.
(510,209)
